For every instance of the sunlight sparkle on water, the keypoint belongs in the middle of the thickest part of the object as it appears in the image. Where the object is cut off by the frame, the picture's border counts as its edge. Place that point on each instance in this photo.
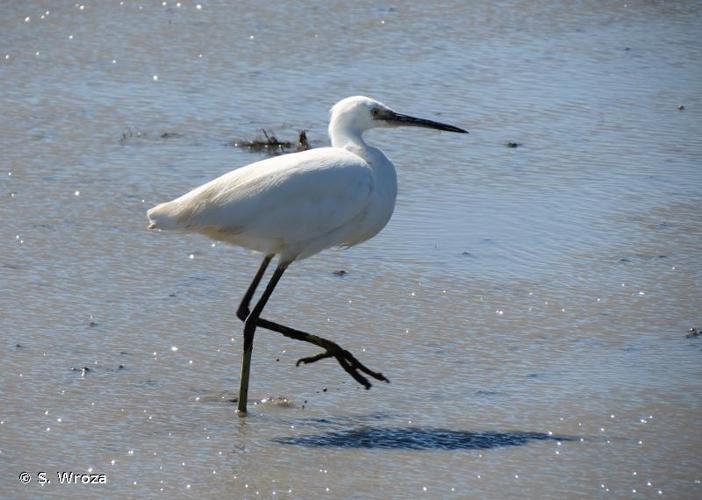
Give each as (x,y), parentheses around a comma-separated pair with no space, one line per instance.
(463,321)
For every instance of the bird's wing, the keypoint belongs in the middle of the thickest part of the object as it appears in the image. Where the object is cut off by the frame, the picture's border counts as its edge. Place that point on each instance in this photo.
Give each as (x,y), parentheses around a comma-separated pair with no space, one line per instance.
(291,198)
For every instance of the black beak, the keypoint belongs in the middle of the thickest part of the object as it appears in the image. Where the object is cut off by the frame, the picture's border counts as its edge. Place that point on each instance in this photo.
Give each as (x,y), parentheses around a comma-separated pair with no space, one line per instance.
(410,121)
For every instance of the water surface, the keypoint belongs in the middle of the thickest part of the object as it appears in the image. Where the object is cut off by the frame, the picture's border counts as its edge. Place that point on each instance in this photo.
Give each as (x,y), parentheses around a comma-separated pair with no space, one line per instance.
(529,304)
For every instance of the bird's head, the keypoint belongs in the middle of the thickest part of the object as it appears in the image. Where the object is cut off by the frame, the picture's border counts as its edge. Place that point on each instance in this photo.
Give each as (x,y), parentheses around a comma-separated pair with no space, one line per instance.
(360,113)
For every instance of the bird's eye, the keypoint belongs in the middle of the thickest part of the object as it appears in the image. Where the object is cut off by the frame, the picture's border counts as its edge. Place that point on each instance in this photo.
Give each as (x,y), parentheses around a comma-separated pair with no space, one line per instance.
(375,112)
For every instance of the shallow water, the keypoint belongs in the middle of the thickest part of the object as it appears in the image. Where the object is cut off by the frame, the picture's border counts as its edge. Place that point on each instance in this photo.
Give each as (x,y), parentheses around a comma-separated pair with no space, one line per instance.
(529,304)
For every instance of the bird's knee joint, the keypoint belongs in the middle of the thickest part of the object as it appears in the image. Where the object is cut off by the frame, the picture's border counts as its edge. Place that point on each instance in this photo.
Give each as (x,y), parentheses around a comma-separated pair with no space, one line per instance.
(242,314)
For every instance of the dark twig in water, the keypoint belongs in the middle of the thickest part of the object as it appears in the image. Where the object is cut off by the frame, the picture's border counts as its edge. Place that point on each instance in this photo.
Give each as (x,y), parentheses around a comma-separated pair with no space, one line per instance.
(302,143)
(133,132)
(272,145)
(129,133)
(269,143)
(511,144)
(170,135)
(273,142)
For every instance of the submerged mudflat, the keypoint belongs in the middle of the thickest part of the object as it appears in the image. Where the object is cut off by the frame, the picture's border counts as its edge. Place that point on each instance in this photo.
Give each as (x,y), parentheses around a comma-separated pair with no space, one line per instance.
(529,300)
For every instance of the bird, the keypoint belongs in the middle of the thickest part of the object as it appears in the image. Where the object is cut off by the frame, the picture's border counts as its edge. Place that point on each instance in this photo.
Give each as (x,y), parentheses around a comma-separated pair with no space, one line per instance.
(293,207)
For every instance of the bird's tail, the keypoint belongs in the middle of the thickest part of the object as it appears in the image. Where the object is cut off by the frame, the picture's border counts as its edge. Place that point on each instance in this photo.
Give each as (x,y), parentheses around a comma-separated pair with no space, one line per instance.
(164,216)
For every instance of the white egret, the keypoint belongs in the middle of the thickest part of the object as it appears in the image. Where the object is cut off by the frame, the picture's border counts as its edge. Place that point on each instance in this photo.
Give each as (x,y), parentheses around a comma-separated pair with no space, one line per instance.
(295,206)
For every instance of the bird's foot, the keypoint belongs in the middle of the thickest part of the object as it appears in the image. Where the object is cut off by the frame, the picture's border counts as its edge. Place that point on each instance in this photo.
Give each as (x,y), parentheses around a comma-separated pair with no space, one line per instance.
(348,362)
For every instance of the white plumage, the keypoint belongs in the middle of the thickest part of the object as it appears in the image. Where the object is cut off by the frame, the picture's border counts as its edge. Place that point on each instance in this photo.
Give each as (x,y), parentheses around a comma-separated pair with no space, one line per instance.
(293,205)
(299,204)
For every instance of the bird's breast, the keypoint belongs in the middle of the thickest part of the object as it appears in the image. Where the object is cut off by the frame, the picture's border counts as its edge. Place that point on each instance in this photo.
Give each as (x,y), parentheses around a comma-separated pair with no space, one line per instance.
(381,203)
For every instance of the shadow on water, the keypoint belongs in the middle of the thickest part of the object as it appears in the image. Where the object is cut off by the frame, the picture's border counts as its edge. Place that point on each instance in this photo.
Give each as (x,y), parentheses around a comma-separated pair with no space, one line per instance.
(414,438)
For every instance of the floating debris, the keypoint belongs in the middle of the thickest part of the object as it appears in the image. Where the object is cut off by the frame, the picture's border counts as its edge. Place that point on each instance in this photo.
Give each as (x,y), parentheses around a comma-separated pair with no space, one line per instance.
(130,133)
(681,108)
(511,144)
(170,135)
(302,143)
(340,272)
(280,401)
(272,145)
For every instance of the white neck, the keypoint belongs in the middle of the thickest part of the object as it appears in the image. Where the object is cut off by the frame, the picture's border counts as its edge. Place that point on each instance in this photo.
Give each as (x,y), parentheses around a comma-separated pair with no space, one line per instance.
(343,135)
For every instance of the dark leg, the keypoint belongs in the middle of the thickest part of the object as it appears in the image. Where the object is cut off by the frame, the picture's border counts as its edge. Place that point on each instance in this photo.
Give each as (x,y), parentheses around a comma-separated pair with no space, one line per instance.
(250,329)
(243,311)
(348,361)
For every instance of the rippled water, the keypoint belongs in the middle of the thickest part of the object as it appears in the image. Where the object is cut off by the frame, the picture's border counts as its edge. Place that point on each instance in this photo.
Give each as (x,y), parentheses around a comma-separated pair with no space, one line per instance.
(529,304)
